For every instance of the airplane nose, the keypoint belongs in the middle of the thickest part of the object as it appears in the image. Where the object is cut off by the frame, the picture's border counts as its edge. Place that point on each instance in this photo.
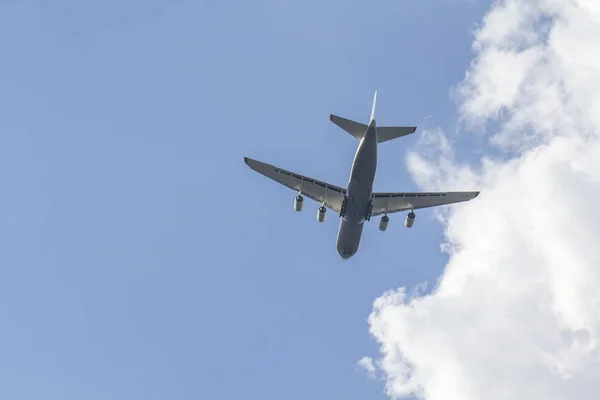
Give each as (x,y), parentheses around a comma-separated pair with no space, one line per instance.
(345,254)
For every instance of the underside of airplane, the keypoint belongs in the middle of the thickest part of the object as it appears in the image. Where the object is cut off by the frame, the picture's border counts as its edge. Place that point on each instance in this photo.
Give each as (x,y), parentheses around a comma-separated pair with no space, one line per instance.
(357,202)
(334,197)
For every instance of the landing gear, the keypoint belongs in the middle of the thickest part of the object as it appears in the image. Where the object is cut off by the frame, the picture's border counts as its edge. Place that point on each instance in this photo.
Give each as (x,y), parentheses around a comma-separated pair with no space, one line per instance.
(343,206)
(369,210)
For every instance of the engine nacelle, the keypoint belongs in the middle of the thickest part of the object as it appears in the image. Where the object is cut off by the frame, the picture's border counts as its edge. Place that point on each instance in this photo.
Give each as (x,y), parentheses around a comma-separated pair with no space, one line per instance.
(410,220)
(321,213)
(383,224)
(298,203)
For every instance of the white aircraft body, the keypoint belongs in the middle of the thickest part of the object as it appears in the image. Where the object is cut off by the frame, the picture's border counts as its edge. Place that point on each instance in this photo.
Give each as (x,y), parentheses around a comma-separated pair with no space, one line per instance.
(358,203)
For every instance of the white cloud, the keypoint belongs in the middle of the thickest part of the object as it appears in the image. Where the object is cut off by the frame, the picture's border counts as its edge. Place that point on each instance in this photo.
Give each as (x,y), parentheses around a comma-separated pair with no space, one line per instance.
(368,365)
(516,313)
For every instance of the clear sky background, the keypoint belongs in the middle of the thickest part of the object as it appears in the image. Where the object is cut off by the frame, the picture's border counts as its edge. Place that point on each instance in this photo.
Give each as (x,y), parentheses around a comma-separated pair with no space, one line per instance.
(141,258)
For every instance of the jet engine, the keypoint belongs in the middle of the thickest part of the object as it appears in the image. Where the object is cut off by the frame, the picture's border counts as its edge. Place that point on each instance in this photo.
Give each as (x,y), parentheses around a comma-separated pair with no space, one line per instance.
(298,203)
(383,224)
(410,220)
(321,214)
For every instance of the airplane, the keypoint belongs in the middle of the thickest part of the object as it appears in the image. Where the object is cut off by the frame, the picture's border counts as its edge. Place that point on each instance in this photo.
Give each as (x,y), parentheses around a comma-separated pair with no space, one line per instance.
(357,203)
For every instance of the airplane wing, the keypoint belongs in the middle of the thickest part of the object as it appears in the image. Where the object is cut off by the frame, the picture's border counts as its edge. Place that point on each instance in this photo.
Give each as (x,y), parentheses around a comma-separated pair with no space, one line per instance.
(394,202)
(332,196)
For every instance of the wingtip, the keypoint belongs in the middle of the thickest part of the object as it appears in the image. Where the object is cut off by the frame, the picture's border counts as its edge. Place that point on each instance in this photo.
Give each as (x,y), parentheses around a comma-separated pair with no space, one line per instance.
(476,194)
(246,160)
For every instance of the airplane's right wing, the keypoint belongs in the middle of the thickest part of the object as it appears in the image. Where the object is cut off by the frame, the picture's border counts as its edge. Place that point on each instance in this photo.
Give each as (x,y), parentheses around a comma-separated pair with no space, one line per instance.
(393,202)
(331,196)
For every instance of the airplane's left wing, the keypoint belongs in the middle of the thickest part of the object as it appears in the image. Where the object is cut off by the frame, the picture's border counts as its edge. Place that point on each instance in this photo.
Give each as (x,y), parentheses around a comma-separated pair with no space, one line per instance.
(330,195)
(393,202)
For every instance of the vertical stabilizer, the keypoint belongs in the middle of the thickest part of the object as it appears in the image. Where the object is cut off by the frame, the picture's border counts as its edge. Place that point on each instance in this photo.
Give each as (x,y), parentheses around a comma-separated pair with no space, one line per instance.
(373,109)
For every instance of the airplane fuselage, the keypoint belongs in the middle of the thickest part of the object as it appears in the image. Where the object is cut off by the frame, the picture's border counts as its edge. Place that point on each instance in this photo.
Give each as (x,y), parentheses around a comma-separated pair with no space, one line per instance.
(360,188)
(357,203)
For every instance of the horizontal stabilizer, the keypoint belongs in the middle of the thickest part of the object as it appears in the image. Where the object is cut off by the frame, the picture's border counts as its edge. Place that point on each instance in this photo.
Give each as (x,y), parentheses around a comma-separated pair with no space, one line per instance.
(354,128)
(385,133)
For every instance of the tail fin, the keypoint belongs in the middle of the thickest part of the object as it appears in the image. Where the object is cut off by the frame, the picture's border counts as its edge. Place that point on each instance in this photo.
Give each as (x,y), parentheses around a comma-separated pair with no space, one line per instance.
(384,133)
(373,109)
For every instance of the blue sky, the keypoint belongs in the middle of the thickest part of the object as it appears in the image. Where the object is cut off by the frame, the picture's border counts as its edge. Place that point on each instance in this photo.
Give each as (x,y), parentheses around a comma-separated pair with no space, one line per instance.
(141,258)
